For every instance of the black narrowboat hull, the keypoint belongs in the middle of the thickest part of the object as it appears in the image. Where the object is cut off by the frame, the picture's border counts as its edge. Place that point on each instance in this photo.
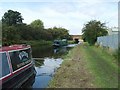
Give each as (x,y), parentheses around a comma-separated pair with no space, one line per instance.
(17,67)
(23,79)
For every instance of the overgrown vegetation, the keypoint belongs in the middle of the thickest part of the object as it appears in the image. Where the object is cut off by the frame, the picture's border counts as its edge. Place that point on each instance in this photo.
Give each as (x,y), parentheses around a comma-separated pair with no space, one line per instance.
(14,30)
(116,54)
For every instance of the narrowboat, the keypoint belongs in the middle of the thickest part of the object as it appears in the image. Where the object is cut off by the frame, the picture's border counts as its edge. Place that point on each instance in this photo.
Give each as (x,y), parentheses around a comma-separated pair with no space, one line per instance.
(16,66)
(59,43)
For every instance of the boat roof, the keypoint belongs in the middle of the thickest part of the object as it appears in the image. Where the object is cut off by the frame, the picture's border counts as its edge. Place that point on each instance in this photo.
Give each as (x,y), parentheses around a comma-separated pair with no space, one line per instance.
(14,47)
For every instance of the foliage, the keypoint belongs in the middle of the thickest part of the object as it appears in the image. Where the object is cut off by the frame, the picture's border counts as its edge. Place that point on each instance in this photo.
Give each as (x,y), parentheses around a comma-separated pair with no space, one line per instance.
(14,31)
(10,34)
(59,33)
(12,18)
(37,24)
(71,42)
(92,30)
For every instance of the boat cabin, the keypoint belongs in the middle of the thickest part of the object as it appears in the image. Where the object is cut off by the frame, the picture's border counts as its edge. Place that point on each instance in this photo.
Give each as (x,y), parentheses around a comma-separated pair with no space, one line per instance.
(58,43)
(16,66)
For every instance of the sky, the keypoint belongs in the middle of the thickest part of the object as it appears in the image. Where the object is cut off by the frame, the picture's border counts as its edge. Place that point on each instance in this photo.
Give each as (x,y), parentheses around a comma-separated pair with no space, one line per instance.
(69,14)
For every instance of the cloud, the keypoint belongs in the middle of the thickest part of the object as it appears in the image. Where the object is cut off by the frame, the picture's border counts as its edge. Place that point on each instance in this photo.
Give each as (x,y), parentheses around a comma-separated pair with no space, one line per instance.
(71,15)
(59,1)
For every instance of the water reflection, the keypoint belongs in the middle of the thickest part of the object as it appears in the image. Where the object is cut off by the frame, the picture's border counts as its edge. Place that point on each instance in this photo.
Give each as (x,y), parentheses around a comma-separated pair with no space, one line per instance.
(41,82)
(48,60)
(49,51)
(56,50)
(46,71)
(38,62)
(71,45)
(41,52)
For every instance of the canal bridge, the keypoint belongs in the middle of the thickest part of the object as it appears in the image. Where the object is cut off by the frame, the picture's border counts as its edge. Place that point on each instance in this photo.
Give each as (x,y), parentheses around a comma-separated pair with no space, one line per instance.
(76,37)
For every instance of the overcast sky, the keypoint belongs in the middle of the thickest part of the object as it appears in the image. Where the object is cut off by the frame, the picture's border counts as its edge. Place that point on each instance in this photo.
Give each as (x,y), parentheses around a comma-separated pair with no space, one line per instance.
(69,14)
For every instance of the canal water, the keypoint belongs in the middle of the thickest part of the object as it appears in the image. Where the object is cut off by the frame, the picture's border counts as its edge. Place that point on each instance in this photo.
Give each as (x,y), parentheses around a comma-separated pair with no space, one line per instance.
(47,61)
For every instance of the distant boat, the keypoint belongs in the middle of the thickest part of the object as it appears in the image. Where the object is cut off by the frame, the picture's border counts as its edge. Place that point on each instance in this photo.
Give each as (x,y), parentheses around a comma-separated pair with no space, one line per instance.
(59,43)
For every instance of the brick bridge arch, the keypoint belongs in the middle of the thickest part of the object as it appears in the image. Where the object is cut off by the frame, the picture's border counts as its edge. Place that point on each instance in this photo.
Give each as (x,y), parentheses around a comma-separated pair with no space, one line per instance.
(79,37)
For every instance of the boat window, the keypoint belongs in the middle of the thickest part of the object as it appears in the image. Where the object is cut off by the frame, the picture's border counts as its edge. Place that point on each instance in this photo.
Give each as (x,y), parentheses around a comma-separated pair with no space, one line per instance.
(4,63)
(57,42)
(20,58)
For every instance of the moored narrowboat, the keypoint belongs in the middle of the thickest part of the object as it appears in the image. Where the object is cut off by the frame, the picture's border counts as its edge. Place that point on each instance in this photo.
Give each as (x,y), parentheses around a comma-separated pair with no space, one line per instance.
(59,43)
(16,66)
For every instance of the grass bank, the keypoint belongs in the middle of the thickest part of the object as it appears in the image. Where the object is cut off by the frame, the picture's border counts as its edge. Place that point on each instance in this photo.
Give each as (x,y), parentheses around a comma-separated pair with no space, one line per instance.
(37,42)
(30,42)
(71,42)
(87,67)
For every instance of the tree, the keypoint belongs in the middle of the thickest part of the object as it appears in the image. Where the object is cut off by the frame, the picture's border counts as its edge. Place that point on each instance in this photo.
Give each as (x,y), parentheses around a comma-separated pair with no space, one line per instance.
(92,30)
(37,24)
(14,31)
(12,18)
(10,35)
(59,33)
(25,31)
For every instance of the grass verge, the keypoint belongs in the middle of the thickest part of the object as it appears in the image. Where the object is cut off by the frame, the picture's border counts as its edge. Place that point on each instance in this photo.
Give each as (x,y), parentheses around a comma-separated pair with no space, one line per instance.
(87,67)
(37,42)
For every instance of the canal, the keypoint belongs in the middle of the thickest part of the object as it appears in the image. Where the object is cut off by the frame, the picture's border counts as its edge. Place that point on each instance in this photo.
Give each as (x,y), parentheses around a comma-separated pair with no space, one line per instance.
(47,61)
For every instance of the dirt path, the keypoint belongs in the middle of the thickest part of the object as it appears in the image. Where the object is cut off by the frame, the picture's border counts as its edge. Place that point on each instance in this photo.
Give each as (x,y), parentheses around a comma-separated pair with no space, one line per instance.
(86,67)
(73,72)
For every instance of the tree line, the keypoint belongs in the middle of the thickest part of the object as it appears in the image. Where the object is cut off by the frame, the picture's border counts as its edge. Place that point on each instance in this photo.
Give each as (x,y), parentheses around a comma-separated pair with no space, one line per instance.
(15,31)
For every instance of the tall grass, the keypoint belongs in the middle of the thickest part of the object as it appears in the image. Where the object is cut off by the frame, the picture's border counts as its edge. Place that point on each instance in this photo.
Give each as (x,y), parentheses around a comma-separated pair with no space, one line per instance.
(116,54)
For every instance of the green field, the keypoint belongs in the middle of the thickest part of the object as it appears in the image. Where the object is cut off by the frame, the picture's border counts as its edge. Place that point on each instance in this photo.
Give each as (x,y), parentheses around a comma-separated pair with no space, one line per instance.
(87,67)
